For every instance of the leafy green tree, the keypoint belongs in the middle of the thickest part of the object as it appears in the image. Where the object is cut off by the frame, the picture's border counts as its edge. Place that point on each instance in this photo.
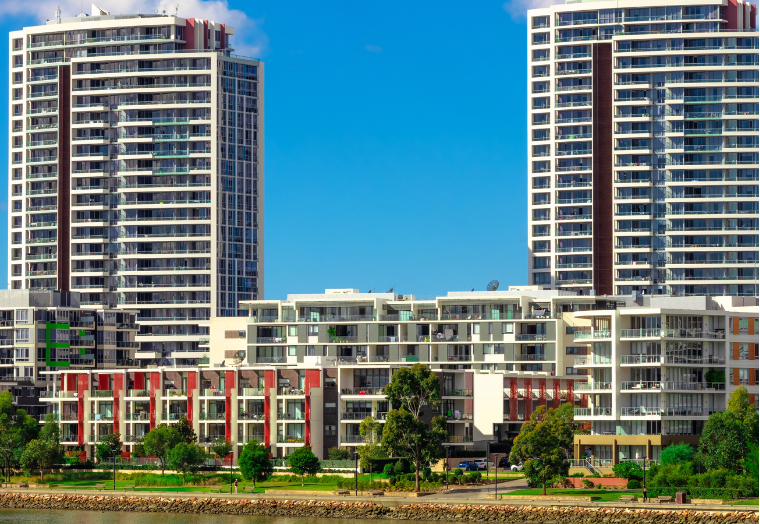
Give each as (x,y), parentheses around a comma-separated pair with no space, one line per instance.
(51,430)
(752,463)
(728,436)
(138,449)
(41,454)
(254,462)
(221,448)
(185,431)
(159,441)
(669,475)
(413,389)
(109,446)
(542,446)
(406,436)
(303,462)
(17,428)
(371,431)
(628,470)
(338,454)
(186,458)
(677,454)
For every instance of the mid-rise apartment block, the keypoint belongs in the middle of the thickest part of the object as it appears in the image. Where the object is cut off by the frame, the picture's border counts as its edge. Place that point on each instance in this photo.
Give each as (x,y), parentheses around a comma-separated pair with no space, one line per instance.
(643,147)
(641,374)
(47,330)
(136,163)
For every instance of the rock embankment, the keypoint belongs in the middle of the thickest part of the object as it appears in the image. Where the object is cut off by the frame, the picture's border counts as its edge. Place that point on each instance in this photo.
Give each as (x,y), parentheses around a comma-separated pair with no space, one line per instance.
(370,510)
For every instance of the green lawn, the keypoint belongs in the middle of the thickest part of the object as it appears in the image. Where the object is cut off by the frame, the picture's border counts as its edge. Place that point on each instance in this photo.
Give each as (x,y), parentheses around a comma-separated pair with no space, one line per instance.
(751,502)
(605,495)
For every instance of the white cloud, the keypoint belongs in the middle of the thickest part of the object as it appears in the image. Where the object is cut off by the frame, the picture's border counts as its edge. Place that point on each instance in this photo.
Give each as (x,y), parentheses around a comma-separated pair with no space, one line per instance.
(249,39)
(518,9)
(373,48)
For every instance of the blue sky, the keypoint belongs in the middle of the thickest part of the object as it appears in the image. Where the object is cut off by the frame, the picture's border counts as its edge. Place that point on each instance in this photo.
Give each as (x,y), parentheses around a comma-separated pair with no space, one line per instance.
(395,140)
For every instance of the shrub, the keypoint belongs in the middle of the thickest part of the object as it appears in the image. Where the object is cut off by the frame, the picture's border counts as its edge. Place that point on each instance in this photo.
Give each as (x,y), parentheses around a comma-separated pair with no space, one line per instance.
(577,475)
(426,473)
(399,468)
(392,480)
(388,470)
(338,454)
(586,483)
(628,470)
(677,454)
(634,484)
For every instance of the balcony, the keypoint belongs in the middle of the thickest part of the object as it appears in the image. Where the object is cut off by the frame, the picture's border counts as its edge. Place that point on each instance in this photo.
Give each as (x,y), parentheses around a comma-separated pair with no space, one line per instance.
(458,439)
(362,391)
(352,439)
(633,386)
(355,415)
(592,412)
(592,360)
(212,392)
(530,337)
(456,393)
(175,393)
(251,392)
(138,393)
(640,412)
(211,416)
(588,333)
(170,417)
(107,393)
(530,357)
(271,360)
(252,417)
(291,391)
(456,416)
(594,386)
(101,417)
(632,360)
(291,416)
(289,439)
(138,417)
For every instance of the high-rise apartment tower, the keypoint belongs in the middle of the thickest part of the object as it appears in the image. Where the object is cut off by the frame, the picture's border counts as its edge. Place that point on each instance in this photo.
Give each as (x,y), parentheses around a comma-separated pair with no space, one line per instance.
(136,171)
(643,147)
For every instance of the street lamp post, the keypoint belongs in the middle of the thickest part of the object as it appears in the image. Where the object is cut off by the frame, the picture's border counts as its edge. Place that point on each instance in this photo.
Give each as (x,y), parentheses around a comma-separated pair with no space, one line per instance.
(496,477)
(114,471)
(230,472)
(447,467)
(6,452)
(488,455)
(356,474)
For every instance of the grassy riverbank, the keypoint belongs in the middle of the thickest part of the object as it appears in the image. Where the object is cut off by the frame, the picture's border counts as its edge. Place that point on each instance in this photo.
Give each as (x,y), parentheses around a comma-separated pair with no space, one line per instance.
(604,495)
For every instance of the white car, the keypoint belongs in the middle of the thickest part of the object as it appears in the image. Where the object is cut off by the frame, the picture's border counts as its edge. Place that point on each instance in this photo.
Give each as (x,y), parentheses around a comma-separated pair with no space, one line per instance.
(483,463)
(517,467)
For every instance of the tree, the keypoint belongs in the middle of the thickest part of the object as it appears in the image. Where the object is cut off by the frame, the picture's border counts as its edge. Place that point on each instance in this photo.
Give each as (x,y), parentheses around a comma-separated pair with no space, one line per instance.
(371,431)
(159,441)
(405,435)
(221,448)
(17,428)
(338,454)
(41,454)
(303,462)
(254,462)
(186,458)
(628,470)
(413,388)
(109,446)
(728,436)
(185,431)
(51,431)
(542,446)
(677,454)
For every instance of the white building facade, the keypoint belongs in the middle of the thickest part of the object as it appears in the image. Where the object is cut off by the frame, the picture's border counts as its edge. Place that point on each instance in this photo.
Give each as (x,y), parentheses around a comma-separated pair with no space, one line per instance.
(137,171)
(643,147)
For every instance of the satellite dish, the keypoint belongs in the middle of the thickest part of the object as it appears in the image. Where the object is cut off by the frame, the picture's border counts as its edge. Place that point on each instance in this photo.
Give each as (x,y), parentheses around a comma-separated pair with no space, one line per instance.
(391,289)
(493,285)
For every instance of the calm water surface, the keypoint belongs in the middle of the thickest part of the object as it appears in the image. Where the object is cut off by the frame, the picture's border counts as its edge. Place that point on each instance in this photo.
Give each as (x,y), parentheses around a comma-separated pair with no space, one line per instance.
(23,516)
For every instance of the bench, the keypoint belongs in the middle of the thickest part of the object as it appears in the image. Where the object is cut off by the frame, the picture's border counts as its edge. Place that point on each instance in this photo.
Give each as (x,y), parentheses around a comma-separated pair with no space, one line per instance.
(627,498)
(248,489)
(23,485)
(343,492)
(52,486)
(375,493)
(129,486)
(101,487)
(663,498)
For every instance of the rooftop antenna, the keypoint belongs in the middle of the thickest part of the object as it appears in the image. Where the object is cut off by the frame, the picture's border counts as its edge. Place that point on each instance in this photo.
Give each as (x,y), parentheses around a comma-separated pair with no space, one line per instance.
(58,14)
(493,285)
(176,8)
(391,289)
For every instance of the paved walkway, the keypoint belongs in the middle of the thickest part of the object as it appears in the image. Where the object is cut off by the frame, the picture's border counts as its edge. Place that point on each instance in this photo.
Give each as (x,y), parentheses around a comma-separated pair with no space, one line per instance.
(462,495)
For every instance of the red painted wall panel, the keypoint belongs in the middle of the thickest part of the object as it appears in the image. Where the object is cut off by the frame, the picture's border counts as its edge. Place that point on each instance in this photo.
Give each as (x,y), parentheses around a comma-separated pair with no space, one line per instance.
(513,398)
(140,380)
(190,33)
(118,389)
(192,390)
(83,385)
(268,385)
(312,379)
(732,20)
(104,382)
(542,392)
(229,385)
(557,400)
(528,397)
(570,391)
(155,378)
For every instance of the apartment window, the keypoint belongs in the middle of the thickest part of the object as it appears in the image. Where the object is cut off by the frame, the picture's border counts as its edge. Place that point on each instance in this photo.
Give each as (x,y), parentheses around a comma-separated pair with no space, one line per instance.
(476,329)
(540,71)
(572,350)
(540,134)
(540,87)
(571,371)
(507,328)
(541,119)
(312,330)
(541,231)
(22,316)
(22,335)
(292,331)
(488,367)
(291,351)
(541,199)
(330,407)
(541,214)
(493,349)
(330,431)
(569,330)
(540,54)
(542,279)
(541,167)
(540,182)
(540,38)
(541,262)
(22,354)
(541,246)
(541,102)
(540,22)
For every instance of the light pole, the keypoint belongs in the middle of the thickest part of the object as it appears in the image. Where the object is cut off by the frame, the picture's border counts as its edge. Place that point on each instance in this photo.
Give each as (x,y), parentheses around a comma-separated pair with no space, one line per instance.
(488,455)
(230,472)
(356,474)
(496,478)
(447,467)
(7,467)
(114,471)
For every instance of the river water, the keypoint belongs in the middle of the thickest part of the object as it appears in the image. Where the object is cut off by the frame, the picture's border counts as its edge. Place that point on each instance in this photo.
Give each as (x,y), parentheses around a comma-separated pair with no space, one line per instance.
(25,516)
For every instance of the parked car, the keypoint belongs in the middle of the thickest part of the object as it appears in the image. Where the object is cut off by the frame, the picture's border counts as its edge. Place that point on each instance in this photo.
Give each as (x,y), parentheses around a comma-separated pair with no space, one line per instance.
(468,465)
(504,463)
(483,463)
(517,467)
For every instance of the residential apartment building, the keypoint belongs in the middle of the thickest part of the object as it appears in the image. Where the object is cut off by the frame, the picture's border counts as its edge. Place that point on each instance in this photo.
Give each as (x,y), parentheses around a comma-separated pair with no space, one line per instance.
(643,147)
(136,162)
(47,330)
(657,371)
(309,369)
